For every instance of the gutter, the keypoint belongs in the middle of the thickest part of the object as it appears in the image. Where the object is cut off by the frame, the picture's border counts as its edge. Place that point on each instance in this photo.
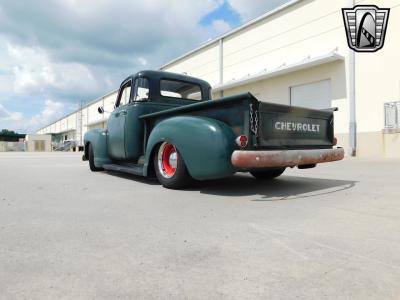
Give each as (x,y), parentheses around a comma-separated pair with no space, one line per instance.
(284,69)
(352,99)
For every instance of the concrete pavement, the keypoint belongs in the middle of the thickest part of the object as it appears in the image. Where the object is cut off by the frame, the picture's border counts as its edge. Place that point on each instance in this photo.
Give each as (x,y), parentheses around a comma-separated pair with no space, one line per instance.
(332,232)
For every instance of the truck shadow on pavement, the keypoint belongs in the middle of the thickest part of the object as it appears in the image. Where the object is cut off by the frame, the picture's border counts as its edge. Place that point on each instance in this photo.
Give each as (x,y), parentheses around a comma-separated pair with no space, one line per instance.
(144,180)
(282,188)
(241,185)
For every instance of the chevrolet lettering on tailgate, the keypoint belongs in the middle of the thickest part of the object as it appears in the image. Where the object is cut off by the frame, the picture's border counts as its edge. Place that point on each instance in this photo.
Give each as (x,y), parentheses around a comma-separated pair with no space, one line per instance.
(299,127)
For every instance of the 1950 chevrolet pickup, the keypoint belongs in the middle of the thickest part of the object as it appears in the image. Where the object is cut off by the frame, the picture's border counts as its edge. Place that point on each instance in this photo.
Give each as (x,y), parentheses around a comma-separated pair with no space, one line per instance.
(166,124)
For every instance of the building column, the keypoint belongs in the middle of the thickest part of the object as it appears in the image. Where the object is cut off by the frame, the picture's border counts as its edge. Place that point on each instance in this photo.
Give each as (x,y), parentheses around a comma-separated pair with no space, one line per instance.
(221,64)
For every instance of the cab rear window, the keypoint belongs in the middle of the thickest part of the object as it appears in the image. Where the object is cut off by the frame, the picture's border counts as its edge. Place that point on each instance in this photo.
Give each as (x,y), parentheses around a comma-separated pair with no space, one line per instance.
(180,89)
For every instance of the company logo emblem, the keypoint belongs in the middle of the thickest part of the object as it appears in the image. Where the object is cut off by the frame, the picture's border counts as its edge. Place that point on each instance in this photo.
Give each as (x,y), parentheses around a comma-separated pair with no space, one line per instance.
(365,27)
(296,127)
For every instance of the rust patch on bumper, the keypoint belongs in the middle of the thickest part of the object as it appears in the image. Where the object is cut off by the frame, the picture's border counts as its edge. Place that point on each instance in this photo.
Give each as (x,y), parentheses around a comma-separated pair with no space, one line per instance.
(284,158)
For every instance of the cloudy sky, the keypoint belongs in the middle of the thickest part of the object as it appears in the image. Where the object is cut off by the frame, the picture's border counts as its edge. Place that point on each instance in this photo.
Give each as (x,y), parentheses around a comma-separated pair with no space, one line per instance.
(56,53)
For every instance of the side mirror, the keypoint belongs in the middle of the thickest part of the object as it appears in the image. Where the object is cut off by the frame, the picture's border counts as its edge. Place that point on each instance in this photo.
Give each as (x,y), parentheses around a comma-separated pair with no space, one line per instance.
(100,109)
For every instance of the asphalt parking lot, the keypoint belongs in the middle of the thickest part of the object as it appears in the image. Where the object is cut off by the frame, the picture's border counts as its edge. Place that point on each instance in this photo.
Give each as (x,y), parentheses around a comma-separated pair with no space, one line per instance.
(327,233)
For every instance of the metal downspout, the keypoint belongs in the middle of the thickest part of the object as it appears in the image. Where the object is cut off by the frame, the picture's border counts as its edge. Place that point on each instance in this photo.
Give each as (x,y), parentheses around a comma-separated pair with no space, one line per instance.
(352,99)
(221,64)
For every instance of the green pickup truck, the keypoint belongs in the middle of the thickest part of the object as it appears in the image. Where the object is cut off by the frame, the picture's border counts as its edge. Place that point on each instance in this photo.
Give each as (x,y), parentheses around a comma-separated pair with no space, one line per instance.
(166,125)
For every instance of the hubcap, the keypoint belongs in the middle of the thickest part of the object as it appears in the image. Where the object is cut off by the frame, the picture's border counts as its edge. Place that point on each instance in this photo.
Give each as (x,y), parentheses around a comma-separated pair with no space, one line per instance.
(173,159)
(167,160)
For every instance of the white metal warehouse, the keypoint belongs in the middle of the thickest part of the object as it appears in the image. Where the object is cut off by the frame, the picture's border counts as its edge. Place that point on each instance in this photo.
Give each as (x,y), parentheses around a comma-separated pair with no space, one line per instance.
(296,54)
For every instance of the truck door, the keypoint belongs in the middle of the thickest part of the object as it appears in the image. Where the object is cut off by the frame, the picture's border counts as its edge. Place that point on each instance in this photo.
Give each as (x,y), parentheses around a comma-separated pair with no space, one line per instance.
(134,129)
(116,124)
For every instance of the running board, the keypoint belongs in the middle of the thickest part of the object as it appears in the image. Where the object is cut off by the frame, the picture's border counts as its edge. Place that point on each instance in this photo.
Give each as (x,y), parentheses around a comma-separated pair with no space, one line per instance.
(132,169)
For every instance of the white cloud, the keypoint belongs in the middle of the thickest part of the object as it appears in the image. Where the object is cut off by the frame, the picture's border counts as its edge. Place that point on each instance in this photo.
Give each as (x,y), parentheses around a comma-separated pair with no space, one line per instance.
(72,50)
(34,73)
(249,10)
(9,119)
(7,116)
(220,26)
(52,110)
(16,121)
(143,61)
(111,30)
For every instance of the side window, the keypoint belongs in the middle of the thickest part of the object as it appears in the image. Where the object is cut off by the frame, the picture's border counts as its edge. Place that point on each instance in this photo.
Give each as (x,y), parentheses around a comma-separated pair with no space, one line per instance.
(125,95)
(141,89)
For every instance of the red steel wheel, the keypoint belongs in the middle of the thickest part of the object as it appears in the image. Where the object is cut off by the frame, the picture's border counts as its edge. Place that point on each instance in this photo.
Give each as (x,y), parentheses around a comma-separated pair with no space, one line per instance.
(170,168)
(167,160)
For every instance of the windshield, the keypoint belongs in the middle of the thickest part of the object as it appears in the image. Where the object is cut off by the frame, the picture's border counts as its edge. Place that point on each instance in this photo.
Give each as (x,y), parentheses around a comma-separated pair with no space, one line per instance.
(180,89)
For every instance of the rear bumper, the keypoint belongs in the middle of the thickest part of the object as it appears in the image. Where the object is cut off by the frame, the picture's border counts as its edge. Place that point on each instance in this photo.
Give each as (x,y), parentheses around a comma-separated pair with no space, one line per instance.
(284,158)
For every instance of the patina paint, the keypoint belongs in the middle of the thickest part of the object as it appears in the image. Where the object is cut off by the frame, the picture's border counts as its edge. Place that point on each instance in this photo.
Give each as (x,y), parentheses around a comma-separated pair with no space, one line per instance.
(205,144)
(203,131)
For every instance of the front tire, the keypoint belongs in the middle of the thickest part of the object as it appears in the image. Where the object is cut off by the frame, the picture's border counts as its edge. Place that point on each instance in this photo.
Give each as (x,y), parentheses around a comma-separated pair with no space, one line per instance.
(92,167)
(170,168)
(268,174)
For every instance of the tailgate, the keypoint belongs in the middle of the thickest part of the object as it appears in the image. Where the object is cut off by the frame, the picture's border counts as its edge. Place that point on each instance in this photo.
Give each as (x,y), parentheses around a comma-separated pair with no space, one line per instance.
(283,126)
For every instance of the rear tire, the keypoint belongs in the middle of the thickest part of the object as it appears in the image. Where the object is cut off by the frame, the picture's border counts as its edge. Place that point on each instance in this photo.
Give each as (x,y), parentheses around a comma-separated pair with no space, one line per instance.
(170,168)
(268,174)
(92,167)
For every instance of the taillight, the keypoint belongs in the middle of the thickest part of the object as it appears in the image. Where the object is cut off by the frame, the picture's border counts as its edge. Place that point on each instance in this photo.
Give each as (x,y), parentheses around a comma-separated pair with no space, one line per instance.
(334,141)
(242,141)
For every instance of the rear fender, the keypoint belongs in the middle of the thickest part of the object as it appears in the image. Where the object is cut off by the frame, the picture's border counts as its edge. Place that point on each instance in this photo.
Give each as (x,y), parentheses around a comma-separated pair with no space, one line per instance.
(98,139)
(206,145)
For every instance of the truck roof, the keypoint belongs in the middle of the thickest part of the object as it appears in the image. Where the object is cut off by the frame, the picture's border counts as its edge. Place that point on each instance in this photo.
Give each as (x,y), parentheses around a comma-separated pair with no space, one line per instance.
(157,75)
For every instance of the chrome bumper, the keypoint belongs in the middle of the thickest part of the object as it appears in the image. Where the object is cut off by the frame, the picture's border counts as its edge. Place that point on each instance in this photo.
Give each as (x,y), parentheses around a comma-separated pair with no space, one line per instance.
(284,158)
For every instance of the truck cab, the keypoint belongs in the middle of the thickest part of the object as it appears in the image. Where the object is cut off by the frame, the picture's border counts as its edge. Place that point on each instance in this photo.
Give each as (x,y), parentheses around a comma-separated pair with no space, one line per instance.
(166,124)
(144,93)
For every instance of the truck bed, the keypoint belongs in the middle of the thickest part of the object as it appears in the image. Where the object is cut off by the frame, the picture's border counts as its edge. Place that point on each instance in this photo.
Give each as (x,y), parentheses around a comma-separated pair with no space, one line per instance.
(268,125)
